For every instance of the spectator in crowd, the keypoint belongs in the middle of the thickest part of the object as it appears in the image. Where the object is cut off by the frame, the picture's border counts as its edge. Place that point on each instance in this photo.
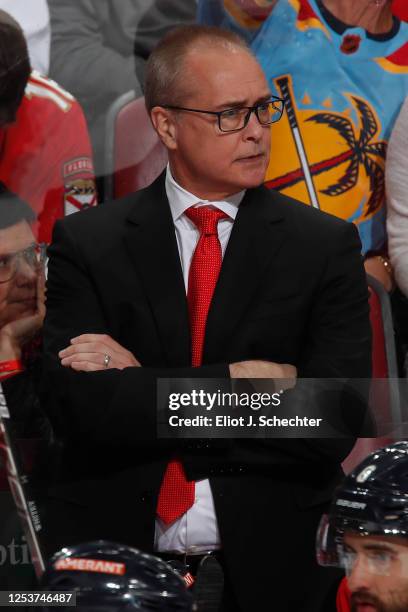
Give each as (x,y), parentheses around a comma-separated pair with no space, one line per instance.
(397,199)
(21,281)
(22,311)
(129,300)
(366,533)
(99,50)
(342,68)
(45,153)
(396,179)
(34,19)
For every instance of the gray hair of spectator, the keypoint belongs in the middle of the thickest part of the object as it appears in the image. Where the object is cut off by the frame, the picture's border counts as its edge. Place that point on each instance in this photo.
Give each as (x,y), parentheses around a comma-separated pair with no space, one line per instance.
(13,209)
(165,81)
(14,63)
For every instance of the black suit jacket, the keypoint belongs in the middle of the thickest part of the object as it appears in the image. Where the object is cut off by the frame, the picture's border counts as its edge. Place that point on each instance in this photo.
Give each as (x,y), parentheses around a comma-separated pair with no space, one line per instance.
(292,289)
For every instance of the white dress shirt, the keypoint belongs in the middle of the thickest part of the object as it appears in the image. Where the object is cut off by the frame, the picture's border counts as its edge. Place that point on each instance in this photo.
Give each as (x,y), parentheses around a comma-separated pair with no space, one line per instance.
(197,530)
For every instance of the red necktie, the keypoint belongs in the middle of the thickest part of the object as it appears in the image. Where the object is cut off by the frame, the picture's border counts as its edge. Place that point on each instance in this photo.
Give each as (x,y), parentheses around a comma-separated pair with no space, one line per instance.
(177,494)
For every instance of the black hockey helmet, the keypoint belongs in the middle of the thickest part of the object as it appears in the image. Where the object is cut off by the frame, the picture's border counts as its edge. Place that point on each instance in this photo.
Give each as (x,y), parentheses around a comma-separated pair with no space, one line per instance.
(110,577)
(372,500)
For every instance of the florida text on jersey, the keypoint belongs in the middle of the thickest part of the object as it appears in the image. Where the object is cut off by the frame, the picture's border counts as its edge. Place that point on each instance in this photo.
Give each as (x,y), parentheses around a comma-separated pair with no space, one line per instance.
(46,155)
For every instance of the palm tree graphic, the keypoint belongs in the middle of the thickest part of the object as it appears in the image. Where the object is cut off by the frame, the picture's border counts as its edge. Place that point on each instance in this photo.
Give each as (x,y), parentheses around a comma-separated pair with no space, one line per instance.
(362,152)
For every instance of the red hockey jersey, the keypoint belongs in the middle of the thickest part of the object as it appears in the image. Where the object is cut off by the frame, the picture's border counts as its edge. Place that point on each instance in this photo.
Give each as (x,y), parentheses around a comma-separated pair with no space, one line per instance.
(46,155)
(343,597)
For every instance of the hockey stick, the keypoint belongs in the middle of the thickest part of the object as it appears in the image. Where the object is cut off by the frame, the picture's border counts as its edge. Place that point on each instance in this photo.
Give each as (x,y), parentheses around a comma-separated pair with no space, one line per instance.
(283,84)
(20,488)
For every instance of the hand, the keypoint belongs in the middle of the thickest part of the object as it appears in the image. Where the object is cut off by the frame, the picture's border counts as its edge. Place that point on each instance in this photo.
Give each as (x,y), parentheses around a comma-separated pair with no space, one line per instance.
(375,267)
(285,372)
(16,333)
(87,354)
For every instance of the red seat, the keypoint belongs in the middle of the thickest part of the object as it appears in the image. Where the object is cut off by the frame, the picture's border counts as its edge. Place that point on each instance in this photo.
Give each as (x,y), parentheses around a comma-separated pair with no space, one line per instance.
(385,400)
(134,154)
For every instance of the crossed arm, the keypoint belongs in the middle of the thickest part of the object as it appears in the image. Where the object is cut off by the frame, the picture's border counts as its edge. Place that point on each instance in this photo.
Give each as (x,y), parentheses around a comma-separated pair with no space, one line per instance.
(119,405)
(86,353)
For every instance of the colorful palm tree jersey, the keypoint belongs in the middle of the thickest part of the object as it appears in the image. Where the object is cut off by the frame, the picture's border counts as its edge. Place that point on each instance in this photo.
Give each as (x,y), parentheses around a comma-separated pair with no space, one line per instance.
(343,89)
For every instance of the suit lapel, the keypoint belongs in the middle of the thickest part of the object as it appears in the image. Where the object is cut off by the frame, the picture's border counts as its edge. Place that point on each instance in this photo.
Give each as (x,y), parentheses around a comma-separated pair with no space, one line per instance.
(257,235)
(152,246)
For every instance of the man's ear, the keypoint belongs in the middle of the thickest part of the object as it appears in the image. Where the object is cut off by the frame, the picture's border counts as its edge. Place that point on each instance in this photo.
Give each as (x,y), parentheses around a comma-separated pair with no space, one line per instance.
(165,126)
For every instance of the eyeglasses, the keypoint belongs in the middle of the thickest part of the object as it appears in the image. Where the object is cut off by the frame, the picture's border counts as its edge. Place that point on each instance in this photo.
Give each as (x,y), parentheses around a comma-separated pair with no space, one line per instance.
(34,256)
(235,119)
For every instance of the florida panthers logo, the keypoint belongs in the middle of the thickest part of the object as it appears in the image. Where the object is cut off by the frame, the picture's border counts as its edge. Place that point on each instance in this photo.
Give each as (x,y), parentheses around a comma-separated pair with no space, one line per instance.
(79,194)
(79,185)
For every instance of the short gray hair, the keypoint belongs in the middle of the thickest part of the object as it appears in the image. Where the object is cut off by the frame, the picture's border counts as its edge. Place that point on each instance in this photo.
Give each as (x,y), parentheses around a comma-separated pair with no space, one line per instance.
(165,65)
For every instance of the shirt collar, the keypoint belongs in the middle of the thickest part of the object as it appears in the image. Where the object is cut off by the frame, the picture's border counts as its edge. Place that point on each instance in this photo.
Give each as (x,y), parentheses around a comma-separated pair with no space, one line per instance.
(180,199)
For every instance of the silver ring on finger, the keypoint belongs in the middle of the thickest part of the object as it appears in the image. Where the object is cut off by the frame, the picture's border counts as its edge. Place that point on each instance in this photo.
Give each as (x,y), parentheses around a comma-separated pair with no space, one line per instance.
(106,360)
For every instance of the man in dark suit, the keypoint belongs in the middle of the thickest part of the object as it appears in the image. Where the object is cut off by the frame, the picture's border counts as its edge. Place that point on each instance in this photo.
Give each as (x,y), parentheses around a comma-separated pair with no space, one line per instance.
(279,290)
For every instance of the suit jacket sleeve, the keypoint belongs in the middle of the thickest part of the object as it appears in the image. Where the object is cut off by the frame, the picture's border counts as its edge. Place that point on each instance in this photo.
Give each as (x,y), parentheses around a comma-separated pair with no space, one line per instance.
(336,345)
(119,407)
(113,406)
(338,338)
(97,70)
(338,342)
(107,43)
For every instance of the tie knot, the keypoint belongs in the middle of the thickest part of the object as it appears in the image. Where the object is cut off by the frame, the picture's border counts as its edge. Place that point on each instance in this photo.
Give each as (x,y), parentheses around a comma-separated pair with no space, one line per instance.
(206,218)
